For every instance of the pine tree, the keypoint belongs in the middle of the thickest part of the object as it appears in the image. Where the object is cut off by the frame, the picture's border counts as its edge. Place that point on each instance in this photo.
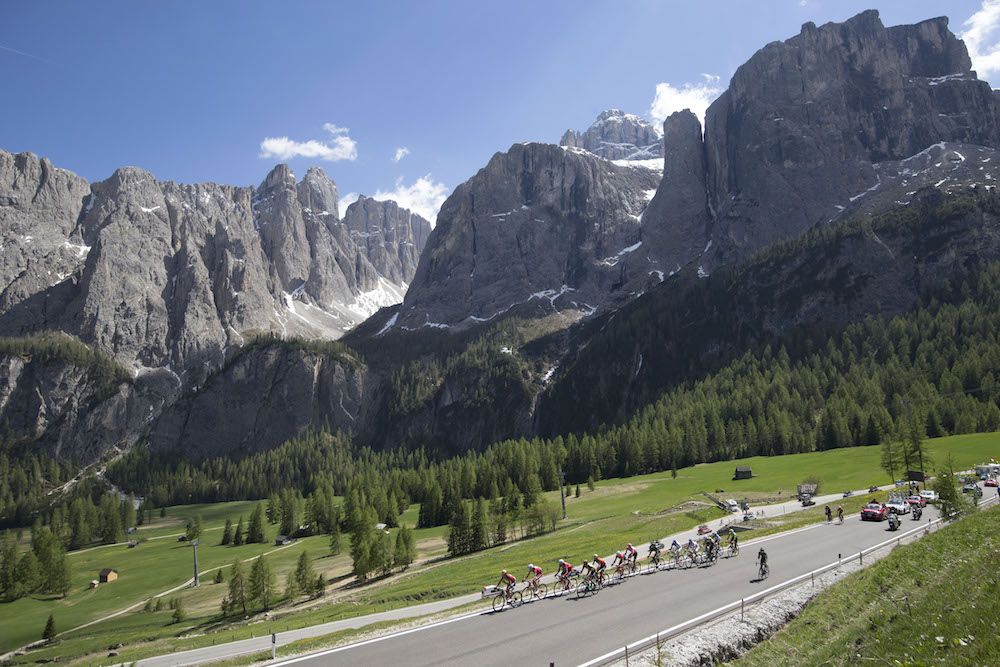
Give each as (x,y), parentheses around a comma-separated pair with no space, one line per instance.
(383,560)
(458,531)
(576,493)
(319,587)
(238,535)
(334,540)
(49,633)
(262,582)
(193,529)
(479,532)
(237,596)
(255,532)
(590,483)
(227,533)
(890,459)
(363,543)
(179,613)
(8,568)
(219,577)
(405,551)
(304,574)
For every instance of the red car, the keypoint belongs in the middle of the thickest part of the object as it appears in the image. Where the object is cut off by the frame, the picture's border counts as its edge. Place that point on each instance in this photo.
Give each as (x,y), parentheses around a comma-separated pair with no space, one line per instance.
(918,501)
(991,482)
(874,512)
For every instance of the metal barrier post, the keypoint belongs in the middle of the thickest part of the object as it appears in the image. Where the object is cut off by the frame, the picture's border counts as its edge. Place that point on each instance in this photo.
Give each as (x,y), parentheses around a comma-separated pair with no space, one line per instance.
(742,600)
(626,655)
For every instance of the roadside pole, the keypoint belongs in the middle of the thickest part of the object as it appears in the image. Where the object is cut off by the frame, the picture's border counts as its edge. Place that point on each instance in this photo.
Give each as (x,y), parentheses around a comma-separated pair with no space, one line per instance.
(562,490)
(274,645)
(194,545)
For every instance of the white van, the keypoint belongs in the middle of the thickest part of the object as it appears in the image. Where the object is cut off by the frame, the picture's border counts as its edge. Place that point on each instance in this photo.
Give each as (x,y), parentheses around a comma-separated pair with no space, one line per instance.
(733,505)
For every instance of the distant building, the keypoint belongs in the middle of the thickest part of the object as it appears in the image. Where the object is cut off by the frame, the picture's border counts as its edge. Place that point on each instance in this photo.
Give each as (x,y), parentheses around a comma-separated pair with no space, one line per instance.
(743,472)
(282,540)
(108,574)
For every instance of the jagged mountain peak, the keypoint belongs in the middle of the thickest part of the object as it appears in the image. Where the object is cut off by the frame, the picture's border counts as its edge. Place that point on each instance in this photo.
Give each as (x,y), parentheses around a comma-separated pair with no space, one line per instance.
(617,135)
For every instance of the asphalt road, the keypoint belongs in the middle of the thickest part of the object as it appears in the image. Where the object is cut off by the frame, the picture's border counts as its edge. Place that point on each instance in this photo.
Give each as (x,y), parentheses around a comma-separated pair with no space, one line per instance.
(570,631)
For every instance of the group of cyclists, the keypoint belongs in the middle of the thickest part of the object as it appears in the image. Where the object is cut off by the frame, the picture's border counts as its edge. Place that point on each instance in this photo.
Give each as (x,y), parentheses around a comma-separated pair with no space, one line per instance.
(625,562)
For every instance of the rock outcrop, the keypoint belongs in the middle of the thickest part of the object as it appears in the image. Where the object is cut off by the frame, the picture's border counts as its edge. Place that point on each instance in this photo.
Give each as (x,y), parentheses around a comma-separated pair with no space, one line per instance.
(617,135)
(797,137)
(158,273)
(539,228)
(391,237)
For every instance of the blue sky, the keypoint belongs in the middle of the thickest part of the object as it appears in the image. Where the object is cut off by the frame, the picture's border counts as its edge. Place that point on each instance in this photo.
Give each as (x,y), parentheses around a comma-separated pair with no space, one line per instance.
(190,90)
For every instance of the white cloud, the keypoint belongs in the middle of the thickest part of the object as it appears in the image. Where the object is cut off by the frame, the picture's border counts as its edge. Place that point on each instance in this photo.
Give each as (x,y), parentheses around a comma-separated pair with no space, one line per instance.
(400,153)
(346,201)
(982,37)
(424,197)
(693,96)
(339,146)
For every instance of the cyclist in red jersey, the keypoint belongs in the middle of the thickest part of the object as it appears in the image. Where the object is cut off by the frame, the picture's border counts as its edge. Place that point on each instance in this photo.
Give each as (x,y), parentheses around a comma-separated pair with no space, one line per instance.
(631,553)
(507,580)
(600,565)
(534,575)
(619,558)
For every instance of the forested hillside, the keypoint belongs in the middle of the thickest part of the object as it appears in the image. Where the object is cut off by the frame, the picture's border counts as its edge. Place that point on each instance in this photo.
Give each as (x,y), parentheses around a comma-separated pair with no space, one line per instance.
(930,370)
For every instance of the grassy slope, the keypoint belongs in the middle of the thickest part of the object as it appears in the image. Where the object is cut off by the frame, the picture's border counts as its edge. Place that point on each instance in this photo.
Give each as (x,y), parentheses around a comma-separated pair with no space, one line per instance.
(619,510)
(929,603)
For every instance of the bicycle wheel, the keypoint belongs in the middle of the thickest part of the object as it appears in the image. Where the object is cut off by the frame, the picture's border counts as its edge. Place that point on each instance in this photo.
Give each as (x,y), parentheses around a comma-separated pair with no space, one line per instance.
(498,602)
(516,599)
(541,592)
(582,589)
(617,577)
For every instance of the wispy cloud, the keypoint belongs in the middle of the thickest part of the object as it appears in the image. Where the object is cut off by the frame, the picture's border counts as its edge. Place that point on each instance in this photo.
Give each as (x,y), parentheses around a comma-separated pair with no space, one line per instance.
(25,54)
(400,153)
(424,196)
(338,147)
(693,96)
(982,38)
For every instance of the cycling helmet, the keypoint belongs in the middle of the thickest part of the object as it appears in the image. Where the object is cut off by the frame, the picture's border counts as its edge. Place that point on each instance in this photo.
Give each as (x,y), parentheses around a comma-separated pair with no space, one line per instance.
(531,566)
(596,557)
(629,545)
(562,562)
(505,571)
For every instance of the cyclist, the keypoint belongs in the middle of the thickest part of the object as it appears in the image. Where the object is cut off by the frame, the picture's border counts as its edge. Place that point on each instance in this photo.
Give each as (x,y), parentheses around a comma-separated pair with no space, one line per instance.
(840,515)
(692,549)
(588,570)
(564,572)
(631,553)
(534,576)
(619,558)
(734,541)
(654,550)
(829,514)
(762,562)
(675,551)
(507,581)
(601,566)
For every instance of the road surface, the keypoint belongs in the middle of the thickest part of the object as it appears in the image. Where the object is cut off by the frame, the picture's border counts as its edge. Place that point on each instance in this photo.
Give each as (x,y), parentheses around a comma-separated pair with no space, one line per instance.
(570,631)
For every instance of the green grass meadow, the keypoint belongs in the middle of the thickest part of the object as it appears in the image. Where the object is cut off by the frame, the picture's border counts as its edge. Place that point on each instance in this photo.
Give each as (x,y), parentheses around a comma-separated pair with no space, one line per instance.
(634,509)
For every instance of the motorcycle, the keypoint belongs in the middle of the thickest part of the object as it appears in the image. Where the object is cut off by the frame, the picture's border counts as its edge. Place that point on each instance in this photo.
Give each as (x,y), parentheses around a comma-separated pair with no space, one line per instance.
(916,512)
(893,522)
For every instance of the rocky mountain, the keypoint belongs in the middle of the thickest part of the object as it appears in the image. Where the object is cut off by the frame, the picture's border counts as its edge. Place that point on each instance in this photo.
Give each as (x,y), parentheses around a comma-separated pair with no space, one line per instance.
(160,274)
(800,133)
(539,229)
(391,237)
(558,280)
(617,135)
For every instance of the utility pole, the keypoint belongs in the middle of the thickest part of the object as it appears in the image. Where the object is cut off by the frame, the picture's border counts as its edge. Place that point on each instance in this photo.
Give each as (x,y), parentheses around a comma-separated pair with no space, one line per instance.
(562,489)
(194,545)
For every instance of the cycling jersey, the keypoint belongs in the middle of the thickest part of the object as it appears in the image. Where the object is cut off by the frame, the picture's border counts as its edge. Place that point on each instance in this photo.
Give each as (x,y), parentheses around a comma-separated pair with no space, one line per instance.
(619,558)
(511,579)
(535,571)
(601,564)
(565,568)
